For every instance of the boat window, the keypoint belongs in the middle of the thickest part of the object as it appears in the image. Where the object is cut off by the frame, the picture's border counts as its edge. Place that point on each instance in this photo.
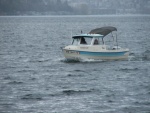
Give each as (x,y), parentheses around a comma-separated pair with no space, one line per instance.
(85,41)
(82,40)
(75,41)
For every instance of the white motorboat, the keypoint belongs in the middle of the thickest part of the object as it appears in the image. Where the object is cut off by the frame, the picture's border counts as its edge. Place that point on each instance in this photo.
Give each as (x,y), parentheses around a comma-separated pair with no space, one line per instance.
(92,46)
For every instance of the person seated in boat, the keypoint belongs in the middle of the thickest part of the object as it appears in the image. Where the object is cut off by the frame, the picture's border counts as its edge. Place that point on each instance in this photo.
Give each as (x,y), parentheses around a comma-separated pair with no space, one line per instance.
(83,41)
(96,42)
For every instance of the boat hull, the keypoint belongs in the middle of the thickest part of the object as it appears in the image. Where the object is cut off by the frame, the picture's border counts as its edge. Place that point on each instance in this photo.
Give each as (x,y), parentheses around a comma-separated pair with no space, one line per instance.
(104,55)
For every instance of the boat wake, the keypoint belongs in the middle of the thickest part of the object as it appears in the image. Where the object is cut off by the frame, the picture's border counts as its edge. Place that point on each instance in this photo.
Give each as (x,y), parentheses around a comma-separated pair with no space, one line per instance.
(145,56)
(91,60)
(81,61)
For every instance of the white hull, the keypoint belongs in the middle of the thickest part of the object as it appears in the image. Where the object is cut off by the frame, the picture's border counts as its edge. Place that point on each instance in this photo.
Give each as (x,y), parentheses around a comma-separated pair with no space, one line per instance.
(99,55)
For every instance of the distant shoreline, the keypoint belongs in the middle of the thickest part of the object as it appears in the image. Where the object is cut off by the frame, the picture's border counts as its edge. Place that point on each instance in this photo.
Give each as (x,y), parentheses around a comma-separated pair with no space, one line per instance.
(73,15)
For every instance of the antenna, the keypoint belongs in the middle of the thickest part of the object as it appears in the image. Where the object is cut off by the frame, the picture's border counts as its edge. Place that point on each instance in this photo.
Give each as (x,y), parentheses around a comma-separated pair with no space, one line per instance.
(71,37)
(116,41)
(71,32)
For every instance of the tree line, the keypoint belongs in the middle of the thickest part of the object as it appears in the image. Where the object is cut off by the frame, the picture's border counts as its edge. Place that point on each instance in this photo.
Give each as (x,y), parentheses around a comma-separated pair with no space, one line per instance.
(9,7)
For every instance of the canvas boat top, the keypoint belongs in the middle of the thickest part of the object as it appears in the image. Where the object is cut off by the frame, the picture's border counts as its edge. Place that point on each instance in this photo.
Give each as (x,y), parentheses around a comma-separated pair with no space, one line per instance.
(97,33)
(103,30)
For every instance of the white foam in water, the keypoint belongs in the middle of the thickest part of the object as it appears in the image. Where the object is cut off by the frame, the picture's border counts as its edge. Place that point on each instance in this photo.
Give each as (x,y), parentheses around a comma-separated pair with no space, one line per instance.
(91,60)
(130,58)
(60,59)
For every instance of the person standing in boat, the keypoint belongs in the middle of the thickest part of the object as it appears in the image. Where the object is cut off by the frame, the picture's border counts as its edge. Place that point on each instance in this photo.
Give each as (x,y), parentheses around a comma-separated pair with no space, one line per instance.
(82,40)
(96,42)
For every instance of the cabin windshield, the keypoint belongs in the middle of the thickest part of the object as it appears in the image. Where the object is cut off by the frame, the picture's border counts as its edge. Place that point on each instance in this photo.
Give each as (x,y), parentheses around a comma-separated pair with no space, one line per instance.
(82,41)
(86,41)
(75,41)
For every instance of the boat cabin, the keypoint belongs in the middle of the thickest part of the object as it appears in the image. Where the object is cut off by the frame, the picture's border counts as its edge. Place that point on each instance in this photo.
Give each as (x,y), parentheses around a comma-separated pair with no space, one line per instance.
(87,39)
(96,37)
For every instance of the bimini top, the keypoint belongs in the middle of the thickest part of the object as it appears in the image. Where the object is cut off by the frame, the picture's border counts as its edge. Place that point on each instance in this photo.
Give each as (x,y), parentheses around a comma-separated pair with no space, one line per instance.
(103,30)
(88,36)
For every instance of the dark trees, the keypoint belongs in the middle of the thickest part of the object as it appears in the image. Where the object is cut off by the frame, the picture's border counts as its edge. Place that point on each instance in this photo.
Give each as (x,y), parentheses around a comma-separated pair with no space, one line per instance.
(24,6)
